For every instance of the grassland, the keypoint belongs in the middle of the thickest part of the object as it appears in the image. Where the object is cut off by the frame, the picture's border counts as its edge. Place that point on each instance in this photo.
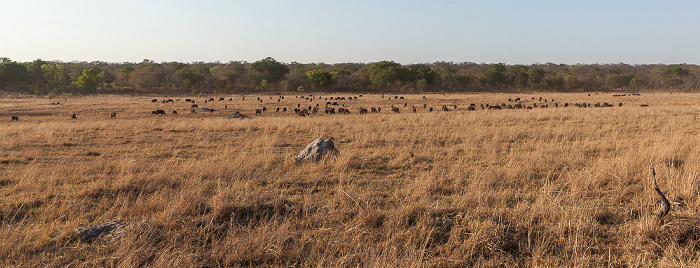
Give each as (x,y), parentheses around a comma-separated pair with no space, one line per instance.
(533,188)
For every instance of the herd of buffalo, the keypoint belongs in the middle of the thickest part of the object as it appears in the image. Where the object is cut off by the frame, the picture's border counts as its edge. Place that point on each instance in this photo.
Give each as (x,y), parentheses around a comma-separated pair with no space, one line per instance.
(341,105)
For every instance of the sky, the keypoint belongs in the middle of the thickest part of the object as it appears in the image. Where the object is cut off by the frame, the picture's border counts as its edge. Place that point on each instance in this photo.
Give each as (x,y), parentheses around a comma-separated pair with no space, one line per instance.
(489,31)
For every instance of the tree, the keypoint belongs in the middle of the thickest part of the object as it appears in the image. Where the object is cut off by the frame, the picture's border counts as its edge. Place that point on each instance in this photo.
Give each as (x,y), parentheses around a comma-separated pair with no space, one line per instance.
(676,70)
(186,78)
(422,72)
(670,82)
(227,75)
(13,73)
(387,73)
(518,76)
(55,74)
(535,77)
(555,83)
(90,79)
(148,75)
(570,81)
(495,75)
(619,80)
(320,79)
(267,69)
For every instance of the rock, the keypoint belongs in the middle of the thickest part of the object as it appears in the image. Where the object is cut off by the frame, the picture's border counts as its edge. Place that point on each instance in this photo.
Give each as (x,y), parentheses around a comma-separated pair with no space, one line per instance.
(108,231)
(316,150)
(104,231)
(238,116)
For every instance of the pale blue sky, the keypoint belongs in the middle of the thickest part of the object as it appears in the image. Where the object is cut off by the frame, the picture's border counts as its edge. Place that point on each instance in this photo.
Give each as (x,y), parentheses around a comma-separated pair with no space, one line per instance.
(513,32)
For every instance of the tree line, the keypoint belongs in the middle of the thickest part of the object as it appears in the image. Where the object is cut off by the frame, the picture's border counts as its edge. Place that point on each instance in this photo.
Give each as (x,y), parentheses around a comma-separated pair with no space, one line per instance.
(41,77)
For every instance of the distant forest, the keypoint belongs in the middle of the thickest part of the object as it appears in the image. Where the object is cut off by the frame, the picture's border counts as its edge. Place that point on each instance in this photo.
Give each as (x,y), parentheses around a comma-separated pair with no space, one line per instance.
(54,78)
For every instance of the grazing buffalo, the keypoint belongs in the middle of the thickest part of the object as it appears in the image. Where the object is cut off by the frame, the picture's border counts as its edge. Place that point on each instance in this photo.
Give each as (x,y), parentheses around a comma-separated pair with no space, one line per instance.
(170,100)
(430,110)
(363,110)
(444,108)
(175,112)
(258,111)
(211,99)
(14,118)
(159,111)
(194,106)
(154,100)
(471,108)
(264,109)
(284,109)
(303,113)
(113,115)
(221,99)
(395,109)
(73,116)
(188,100)
(278,109)
(330,110)
(414,109)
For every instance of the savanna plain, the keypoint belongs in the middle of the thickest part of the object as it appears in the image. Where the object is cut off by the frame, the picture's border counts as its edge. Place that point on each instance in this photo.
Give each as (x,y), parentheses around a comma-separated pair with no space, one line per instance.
(541,187)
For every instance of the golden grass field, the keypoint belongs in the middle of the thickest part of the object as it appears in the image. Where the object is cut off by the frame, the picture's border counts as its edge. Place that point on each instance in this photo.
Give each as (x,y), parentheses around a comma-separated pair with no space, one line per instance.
(531,188)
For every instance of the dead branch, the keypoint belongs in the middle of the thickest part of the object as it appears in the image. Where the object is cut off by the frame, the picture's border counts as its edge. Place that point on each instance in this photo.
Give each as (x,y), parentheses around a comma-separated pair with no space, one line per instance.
(665,206)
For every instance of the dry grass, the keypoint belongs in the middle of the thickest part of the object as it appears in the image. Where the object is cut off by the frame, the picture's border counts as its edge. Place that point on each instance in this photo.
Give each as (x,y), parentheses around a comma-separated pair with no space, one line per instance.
(541,187)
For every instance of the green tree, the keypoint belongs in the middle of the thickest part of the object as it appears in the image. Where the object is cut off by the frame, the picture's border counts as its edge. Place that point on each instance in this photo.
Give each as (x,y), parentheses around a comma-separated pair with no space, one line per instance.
(619,80)
(55,74)
(535,77)
(570,81)
(423,72)
(518,75)
(385,74)
(320,79)
(555,83)
(676,70)
(90,79)
(13,73)
(267,69)
(186,78)
(495,75)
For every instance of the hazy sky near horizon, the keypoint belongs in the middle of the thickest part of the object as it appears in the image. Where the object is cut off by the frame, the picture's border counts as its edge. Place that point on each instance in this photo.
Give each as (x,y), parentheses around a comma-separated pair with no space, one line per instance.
(490,31)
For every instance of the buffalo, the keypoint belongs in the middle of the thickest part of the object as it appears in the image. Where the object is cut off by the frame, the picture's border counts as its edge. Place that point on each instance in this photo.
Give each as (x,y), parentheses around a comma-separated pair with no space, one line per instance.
(156,112)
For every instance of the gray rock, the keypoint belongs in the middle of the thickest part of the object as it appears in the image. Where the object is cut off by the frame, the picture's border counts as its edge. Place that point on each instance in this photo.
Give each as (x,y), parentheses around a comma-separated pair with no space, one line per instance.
(107,231)
(238,115)
(316,150)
